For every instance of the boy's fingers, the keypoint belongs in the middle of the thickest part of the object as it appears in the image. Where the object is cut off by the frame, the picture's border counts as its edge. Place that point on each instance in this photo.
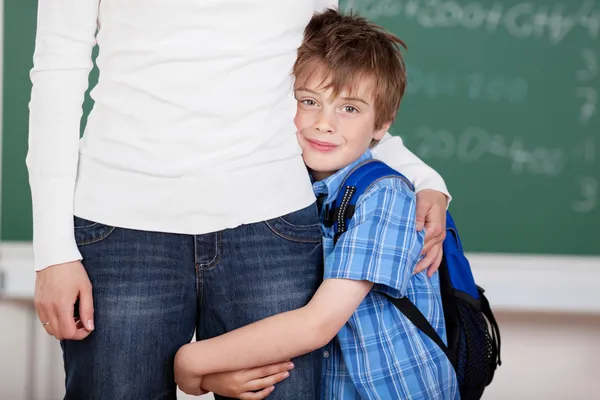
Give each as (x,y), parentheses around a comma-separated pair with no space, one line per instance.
(267,381)
(267,370)
(257,395)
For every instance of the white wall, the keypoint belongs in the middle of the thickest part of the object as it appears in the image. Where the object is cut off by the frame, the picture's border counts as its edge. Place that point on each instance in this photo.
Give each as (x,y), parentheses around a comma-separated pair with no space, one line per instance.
(545,356)
(14,356)
(512,281)
(548,356)
(30,360)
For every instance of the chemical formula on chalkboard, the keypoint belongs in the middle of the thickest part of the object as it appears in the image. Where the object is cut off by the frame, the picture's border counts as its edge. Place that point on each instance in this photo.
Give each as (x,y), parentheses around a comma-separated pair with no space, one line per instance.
(520,19)
(475,143)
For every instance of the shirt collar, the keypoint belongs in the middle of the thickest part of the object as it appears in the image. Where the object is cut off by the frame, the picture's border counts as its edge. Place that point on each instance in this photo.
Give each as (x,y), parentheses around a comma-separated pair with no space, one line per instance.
(330,187)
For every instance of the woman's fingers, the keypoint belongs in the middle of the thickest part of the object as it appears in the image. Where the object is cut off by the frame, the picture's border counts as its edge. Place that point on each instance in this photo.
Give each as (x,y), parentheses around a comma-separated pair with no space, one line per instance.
(47,322)
(428,260)
(57,289)
(48,318)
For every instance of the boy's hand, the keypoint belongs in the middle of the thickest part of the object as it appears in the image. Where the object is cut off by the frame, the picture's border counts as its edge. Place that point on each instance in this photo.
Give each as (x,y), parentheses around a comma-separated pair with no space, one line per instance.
(185,377)
(248,384)
(431,214)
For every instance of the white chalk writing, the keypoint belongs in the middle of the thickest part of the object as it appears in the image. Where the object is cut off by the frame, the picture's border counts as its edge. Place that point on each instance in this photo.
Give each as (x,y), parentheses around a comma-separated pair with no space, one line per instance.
(529,19)
(587,188)
(475,143)
(474,86)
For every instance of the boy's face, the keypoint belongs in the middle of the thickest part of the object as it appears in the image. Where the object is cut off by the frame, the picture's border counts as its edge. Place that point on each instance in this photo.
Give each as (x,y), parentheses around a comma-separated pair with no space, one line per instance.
(334,131)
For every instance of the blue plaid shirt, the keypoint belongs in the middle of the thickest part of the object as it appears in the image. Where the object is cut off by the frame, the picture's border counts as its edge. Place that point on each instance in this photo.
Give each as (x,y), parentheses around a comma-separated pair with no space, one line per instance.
(378,353)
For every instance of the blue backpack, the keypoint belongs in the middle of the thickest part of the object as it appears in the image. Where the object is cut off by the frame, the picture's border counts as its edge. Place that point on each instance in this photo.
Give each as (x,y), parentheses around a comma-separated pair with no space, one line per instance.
(473,336)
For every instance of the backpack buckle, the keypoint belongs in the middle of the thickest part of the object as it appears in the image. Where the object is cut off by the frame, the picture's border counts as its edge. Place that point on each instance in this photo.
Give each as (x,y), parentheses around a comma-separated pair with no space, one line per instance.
(328,218)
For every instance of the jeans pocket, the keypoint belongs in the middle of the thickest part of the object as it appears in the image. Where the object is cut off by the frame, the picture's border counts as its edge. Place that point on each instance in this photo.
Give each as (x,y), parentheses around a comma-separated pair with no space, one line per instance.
(299,226)
(88,232)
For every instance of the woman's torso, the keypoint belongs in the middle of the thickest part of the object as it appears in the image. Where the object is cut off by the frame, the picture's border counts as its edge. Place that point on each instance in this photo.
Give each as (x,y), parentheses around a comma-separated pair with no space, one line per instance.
(192,128)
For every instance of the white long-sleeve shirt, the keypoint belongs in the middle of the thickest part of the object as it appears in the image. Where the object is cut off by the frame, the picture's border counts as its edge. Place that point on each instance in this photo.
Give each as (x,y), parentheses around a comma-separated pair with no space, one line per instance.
(192,129)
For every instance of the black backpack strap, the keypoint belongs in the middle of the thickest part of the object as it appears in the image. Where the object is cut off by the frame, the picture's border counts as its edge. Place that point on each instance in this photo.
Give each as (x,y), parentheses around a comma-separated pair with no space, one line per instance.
(415,316)
(355,184)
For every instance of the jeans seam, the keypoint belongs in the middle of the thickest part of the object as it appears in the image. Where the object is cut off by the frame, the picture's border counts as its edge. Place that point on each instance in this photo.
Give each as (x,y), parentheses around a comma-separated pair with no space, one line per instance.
(298,226)
(98,239)
(86,226)
(218,253)
(199,292)
(197,269)
(291,238)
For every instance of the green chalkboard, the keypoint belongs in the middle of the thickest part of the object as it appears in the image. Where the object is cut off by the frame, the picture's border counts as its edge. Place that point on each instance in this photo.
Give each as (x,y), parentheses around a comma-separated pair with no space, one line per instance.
(19,36)
(19,40)
(503,100)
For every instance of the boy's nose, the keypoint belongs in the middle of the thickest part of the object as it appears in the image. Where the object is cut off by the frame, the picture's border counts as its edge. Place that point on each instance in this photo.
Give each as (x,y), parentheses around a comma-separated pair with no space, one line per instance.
(325,124)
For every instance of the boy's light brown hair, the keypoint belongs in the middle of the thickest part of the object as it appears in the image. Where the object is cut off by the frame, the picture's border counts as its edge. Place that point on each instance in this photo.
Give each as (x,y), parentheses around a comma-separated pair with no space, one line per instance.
(352,48)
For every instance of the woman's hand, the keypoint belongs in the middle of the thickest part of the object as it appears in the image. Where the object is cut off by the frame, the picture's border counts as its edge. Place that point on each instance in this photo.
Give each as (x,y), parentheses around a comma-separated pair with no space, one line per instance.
(431,215)
(247,384)
(57,289)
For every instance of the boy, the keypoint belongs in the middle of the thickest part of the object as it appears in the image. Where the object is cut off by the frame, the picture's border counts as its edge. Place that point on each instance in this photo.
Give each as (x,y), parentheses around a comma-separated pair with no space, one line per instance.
(350,78)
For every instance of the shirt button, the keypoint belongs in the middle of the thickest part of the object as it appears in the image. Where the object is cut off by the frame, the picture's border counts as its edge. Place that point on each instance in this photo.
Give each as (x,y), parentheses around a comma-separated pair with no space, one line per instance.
(325,354)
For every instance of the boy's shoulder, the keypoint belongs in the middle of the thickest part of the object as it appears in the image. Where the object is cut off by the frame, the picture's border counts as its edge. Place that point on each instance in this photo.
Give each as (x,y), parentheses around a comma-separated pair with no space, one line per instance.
(387,189)
(388,202)
(369,189)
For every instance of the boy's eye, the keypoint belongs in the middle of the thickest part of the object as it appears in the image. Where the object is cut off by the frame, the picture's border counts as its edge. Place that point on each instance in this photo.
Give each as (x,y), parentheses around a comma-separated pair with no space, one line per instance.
(309,102)
(350,109)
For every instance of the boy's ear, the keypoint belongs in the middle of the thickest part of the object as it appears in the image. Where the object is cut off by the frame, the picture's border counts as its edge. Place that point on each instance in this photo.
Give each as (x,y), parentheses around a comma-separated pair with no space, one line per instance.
(378,135)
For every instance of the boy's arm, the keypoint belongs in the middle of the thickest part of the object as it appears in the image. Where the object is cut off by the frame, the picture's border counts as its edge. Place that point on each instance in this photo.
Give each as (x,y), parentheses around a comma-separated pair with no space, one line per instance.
(380,246)
(280,337)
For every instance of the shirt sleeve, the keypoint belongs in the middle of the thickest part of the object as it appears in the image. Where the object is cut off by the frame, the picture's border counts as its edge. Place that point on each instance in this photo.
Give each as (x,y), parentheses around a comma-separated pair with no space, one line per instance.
(392,151)
(381,244)
(62,61)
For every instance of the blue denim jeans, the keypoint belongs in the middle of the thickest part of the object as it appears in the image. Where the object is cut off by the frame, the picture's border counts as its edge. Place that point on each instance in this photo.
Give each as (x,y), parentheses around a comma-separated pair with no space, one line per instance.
(153,291)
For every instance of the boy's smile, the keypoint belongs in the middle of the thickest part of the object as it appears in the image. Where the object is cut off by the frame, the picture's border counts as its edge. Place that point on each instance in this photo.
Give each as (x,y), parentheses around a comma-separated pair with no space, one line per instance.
(334,131)
(321,146)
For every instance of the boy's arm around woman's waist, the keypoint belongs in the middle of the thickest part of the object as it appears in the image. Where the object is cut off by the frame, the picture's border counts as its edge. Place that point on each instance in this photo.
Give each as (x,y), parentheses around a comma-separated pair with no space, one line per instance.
(380,246)
(280,337)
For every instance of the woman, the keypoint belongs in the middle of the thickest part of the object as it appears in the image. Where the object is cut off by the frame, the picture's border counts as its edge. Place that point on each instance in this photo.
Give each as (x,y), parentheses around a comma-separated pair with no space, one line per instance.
(193,208)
